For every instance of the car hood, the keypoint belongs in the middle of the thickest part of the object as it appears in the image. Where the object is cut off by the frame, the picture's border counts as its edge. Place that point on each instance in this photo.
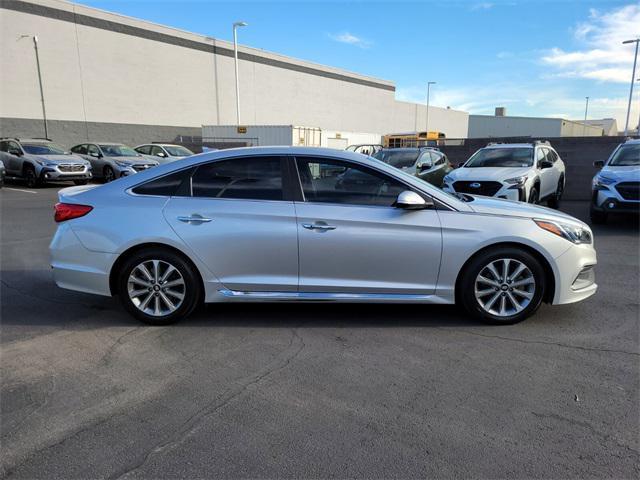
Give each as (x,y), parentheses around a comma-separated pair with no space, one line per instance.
(630,173)
(497,174)
(134,160)
(74,159)
(500,206)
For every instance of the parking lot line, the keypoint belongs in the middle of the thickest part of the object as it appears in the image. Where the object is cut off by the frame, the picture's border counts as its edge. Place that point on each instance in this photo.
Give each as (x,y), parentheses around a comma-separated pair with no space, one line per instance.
(19,190)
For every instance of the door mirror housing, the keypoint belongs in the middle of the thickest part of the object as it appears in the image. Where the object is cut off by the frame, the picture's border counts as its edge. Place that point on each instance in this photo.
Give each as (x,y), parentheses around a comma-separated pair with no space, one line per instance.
(545,164)
(161,154)
(409,200)
(598,163)
(95,154)
(424,166)
(16,152)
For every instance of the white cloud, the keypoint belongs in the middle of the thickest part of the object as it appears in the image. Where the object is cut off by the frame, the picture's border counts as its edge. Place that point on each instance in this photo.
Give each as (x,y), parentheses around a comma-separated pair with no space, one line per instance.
(482,6)
(350,39)
(523,100)
(602,57)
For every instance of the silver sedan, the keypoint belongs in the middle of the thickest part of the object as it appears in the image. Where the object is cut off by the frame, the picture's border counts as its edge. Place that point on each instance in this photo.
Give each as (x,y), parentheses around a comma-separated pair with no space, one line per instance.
(307,224)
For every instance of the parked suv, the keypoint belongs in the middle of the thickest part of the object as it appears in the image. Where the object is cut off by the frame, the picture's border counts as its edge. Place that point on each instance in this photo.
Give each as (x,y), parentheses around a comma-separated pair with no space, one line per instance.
(616,188)
(428,164)
(164,152)
(113,160)
(37,161)
(528,172)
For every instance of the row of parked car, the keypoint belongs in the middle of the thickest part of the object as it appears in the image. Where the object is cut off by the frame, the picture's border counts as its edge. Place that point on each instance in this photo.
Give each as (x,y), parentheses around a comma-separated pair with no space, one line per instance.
(39,160)
(527,172)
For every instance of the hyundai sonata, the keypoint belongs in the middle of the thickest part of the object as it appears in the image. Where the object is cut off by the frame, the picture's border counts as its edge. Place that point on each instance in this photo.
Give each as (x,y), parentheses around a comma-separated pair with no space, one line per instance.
(279,224)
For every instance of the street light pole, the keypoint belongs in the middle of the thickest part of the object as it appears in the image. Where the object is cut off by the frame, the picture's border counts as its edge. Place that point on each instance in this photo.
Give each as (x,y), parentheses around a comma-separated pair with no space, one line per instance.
(584,125)
(235,57)
(428,92)
(633,77)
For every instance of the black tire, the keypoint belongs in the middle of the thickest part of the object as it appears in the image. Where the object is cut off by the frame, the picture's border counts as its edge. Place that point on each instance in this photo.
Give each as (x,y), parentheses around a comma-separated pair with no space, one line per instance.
(108,175)
(192,285)
(554,200)
(80,182)
(30,178)
(466,295)
(534,196)
(597,217)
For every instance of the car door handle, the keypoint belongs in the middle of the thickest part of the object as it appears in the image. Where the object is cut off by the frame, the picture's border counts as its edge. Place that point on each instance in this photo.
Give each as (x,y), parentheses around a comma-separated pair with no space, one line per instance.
(195,219)
(317,226)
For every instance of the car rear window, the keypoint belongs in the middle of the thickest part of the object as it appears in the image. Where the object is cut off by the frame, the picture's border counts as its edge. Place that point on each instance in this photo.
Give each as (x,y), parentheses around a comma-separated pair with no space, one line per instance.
(172,185)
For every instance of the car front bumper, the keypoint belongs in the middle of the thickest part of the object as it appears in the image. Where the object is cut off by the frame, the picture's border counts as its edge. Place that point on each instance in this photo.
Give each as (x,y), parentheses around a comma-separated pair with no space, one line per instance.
(608,199)
(508,192)
(55,174)
(575,274)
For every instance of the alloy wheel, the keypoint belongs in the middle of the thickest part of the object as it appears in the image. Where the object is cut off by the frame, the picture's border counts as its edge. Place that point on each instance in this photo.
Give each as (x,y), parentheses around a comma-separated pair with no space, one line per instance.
(156,287)
(504,287)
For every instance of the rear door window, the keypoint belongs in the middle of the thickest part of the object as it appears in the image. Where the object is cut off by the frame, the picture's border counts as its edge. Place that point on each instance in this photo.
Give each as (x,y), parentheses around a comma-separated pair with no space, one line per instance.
(250,178)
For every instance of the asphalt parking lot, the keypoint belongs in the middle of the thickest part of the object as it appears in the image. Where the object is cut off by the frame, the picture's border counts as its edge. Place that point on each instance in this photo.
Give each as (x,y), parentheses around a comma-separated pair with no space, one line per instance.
(313,391)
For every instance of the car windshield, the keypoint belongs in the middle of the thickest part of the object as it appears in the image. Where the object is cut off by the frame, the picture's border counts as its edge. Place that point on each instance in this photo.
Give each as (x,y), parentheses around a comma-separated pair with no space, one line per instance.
(626,156)
(178,151)
(501,157)
(118,151)
(43,149)
(398,158)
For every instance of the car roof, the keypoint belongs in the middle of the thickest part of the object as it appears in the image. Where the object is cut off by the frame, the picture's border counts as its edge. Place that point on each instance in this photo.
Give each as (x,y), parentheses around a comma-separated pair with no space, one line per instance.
(512,145)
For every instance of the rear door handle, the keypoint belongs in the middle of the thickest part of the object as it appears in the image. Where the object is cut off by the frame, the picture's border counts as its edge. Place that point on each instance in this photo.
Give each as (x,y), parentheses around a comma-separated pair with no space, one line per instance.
(318,226)
(195,219)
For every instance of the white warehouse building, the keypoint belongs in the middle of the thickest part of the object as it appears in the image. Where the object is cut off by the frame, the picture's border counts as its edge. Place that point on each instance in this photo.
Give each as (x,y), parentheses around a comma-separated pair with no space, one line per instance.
(108,77)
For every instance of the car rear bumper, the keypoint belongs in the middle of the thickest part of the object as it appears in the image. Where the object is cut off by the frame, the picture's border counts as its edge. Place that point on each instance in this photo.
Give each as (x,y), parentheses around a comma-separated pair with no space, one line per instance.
(76,268)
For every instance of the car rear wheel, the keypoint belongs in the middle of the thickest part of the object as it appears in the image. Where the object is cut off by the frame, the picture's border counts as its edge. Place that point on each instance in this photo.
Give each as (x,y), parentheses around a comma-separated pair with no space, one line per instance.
(502,286)
(108,175)
(554,200)
(158,286)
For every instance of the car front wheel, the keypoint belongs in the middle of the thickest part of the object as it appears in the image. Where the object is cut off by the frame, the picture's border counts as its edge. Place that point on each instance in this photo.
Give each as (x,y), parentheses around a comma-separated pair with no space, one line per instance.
(533,196)
(502,286)
(158,286)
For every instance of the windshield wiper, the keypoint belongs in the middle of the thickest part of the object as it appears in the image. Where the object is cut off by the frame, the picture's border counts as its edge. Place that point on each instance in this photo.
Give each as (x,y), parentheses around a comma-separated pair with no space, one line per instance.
(464,197)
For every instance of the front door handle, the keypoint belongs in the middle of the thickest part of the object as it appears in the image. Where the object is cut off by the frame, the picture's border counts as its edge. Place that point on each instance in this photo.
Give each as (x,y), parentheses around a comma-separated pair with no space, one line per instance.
(195,219)
(318,226)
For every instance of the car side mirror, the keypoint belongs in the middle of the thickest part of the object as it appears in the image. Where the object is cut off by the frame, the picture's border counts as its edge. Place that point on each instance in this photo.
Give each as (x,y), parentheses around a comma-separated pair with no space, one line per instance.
(95,154)
(15,152)
(409,200)
(161,154)
(598,163)
(424,166)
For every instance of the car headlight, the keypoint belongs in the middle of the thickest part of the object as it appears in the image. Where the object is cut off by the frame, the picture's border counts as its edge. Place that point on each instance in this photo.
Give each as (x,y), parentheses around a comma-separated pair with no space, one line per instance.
(517,180)
(574,233)
(602,181)
(121,163)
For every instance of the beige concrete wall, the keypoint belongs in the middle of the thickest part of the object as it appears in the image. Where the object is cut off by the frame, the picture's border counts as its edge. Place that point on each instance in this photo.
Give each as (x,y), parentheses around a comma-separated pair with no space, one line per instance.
(97,75)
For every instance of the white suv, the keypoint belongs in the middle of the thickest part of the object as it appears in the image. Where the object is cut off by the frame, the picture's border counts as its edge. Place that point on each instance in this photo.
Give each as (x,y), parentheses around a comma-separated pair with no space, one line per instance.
(528,172)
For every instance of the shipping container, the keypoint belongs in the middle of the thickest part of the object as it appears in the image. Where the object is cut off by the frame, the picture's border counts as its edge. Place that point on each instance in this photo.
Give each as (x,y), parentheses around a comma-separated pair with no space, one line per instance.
(231,136)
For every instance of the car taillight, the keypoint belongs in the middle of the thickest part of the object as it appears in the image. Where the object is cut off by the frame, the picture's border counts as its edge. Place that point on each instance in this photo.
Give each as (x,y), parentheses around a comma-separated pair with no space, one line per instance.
(69,211)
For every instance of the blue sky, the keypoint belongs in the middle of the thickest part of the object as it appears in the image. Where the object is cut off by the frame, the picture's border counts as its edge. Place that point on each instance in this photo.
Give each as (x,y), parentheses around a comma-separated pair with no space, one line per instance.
(536,57)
